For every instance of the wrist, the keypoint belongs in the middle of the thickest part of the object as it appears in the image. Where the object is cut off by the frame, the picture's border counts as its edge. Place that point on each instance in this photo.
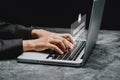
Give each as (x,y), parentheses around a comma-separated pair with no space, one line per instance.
(38,33)
(27,45)
(34,33)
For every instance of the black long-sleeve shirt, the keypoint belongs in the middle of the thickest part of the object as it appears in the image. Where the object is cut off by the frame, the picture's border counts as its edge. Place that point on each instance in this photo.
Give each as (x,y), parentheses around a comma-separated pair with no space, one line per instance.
(11,37)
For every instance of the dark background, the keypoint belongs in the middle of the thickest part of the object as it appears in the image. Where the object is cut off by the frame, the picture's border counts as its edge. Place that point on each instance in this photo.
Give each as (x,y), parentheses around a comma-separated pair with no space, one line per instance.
(56,13)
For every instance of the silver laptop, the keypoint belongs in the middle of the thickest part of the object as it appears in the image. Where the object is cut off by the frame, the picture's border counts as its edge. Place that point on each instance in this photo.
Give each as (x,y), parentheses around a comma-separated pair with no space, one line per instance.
(81,52)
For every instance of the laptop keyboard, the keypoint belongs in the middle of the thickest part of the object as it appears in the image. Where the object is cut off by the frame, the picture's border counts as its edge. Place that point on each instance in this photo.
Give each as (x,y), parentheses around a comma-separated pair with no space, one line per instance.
(68,55)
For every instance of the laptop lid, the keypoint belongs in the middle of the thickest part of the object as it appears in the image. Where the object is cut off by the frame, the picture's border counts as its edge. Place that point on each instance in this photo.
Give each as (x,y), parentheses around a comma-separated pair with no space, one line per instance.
(94,26)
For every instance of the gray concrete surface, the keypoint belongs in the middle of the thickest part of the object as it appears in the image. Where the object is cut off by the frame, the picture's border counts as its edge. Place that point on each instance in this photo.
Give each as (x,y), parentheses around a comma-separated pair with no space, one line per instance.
(103,64)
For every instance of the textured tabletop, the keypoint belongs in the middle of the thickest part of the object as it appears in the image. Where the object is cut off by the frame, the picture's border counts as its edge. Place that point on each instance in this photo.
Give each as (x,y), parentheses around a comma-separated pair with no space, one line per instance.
(103,64)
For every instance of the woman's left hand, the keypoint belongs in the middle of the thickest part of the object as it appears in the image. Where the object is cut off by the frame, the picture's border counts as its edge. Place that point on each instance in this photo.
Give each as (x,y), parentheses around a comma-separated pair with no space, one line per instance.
(39,33)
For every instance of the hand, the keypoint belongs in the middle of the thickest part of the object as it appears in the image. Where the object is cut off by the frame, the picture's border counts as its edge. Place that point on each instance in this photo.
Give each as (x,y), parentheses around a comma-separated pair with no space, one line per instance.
(58,44)
(38,33)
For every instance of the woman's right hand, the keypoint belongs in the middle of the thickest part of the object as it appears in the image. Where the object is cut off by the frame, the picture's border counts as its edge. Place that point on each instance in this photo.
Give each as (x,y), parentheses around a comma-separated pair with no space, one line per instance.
(40,44)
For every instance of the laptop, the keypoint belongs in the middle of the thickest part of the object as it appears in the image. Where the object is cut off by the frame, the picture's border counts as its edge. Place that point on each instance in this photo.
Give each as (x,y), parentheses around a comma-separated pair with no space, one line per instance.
(80,54)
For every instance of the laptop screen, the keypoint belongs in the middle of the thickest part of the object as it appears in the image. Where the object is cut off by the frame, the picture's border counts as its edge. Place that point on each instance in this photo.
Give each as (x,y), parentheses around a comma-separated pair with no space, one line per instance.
(94,26)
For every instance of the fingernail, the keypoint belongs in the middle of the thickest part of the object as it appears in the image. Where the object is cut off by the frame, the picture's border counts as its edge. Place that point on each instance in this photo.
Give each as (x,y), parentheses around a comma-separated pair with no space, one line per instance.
(74,42)
(62,53)
(71,47)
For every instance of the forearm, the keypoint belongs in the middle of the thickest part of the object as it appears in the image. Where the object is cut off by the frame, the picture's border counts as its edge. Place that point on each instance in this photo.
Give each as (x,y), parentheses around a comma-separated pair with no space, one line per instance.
(15,30)
(24,32)
(10,48)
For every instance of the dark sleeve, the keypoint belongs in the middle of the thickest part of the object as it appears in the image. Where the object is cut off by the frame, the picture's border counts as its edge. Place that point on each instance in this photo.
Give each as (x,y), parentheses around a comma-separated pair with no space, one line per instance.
(11,37)
(15,30)
(10,48)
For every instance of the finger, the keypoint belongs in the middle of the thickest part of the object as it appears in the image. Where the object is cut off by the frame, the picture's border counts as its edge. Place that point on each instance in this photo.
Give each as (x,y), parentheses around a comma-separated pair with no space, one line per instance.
(63,40)
(54,47)
(69,37)
(68,44)
(57,41)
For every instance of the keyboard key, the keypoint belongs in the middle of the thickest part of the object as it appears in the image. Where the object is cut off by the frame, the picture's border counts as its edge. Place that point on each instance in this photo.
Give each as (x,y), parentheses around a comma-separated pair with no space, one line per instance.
(67,54)
(78,52)
(53,55)
(75,51)
(60,57)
